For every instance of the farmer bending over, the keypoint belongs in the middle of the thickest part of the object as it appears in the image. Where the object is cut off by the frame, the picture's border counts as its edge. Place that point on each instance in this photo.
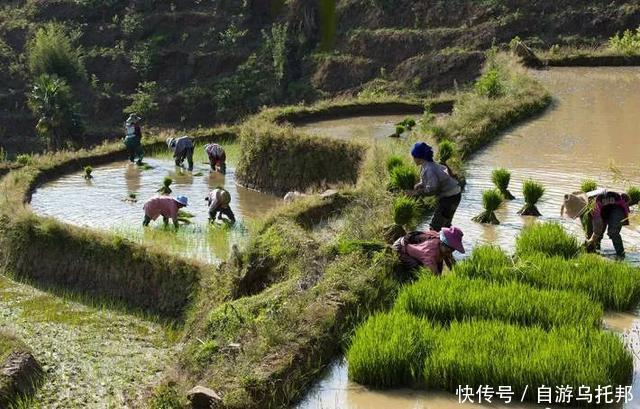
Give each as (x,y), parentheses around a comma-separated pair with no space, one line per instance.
(218,201)
(599,210)
(182,149)
(133,138)
(429,249)
(435,180)
(217,157)
(164,206)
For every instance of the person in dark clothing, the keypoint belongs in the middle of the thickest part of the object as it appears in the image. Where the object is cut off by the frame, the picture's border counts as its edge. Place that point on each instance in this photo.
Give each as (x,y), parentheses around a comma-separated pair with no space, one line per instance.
(182,149)
(133,138)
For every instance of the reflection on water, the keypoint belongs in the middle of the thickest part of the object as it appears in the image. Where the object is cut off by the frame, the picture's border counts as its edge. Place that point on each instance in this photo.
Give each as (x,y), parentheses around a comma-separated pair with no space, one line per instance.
(359,127)
(104,203)
(592,124)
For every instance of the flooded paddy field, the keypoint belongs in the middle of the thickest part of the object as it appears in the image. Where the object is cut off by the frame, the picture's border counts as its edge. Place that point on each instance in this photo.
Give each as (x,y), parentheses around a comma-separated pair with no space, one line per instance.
(589,133)
(359,128)
(114,198)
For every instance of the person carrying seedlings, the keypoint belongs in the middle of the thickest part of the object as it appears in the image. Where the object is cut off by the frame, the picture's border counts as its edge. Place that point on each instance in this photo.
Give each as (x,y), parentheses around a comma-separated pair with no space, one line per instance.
(164,206)
(429,249)
(599,210)
(217,157)
(218,201)
(133,138)
(436,181)
(182,149)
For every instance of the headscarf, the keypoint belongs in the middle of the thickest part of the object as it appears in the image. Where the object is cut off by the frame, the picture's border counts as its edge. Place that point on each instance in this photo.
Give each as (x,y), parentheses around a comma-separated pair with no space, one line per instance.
(422,151)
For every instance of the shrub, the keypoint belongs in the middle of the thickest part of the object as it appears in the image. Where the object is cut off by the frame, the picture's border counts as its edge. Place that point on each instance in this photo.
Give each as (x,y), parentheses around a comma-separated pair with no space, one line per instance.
(403,177)
(144,100)
(547,238)
(501,178)
(491,200)
(627,42)
(51,52)
(532,192)
(446,150)
(495,353)
(393,161)
(588,185)
(24,159)
(634,195)
(490,84)
(405,211)
(388,350)
(453,298)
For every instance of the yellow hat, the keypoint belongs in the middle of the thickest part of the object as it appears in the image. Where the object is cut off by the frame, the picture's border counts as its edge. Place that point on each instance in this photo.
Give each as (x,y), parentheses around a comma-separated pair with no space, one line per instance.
(574,204)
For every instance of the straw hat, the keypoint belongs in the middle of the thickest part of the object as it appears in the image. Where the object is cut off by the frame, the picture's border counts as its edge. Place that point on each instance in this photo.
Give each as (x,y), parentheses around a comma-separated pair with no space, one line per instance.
(574,204)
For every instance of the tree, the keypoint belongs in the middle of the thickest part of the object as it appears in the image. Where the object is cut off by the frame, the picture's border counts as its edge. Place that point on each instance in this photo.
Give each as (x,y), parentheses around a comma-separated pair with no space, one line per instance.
(52,103)
(51,51)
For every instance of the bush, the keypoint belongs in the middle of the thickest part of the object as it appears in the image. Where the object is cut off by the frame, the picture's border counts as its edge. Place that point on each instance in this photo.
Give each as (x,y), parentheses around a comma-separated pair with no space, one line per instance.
(388,350)
(634,195)
(446,150)
(627,42)
(490,84)
(491,200)
(51,52)
(549,239)
(452,298)
(588,185)
(405,211)
(145,100)
(501,178)
(404,177)
(532,192)
(393,161)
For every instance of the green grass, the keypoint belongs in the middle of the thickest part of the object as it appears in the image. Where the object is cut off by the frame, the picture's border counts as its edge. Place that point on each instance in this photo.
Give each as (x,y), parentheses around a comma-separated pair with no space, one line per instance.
(588,185)
(614,285)
(394,161)
(403,177)
(501,178)
(491,201)
(549,238)
(388,349)
(453,298)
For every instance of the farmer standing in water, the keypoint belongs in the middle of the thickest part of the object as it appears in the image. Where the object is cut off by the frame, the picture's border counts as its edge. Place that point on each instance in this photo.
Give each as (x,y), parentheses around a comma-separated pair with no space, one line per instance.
(599,210)
(217,157)
(218,201)
(436,181)
(164,206)
(429,249)
(182,149)
(133,138)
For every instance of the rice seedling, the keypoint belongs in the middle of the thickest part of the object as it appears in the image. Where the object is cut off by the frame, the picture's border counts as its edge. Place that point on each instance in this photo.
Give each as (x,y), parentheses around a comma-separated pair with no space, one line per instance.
(634,195)
(165,189)
(450,298)
(588,185)
(394,161)
(87,172)
(403,177)
(388,350)
(532,192)
(501,178)
(364,246)
(491,200)
(405,211)
(399,131)
(446,150)
(495,353)
(547,238)
(484,262)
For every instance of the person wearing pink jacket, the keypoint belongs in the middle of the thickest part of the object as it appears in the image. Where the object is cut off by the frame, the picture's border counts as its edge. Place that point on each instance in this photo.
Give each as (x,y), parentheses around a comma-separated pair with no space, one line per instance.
(430,249)
(164,206)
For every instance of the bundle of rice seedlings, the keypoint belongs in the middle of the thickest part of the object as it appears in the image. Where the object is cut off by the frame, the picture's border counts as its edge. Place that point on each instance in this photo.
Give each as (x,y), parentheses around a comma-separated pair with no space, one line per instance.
(393,161)
(501,178)
(87,172)
(532,192)
(491,200)
(406,211)
(184,216)
(367,247)
(392,233)
(403,177)
(388,350)
(634,195)
(399,131)
(446,150)
(588,185)
(549,239)
(165,189)
(454,298)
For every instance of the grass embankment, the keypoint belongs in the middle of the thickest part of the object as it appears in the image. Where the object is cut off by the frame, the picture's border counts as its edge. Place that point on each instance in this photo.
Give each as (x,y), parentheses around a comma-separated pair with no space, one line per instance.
(497,329)
(399,349)
(20,373)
